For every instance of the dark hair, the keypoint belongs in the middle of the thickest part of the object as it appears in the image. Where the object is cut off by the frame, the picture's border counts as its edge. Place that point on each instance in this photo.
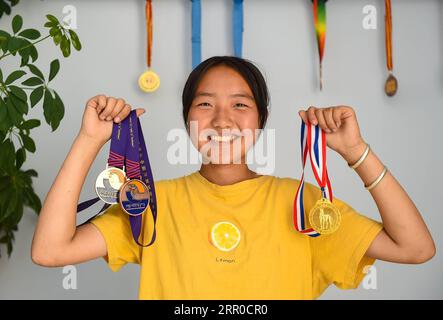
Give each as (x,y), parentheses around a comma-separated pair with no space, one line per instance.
(245,68)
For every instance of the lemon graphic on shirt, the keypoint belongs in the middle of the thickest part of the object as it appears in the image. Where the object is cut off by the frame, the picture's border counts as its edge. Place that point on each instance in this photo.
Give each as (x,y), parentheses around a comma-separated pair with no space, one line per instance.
(225,236)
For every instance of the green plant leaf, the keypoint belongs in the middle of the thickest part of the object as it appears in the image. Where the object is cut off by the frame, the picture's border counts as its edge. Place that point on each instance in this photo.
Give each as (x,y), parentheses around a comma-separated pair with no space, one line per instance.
(50,24)
(48,106)
(17,23)
(36,96)
(18,93)
(28,143)
(30,124)
(32,82)
(31,34)
(14,76)
(65,46)
(55,67)
(59,112)
(75,40)
(32,173)
(4,43)
(36,71)
(5,122)
(5,181)
(32,200)
(7,156)
(20,106)
(15,117)
(20,157)
(52,18)
(33,53)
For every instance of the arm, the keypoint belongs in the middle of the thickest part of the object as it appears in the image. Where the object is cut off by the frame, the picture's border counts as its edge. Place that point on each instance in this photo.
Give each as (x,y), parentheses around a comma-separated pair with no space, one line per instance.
(405,237)
(57,241)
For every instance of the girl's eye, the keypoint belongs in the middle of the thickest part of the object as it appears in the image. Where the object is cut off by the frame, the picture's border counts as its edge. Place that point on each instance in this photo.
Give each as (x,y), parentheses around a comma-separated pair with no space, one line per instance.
(204,104)
(241,105)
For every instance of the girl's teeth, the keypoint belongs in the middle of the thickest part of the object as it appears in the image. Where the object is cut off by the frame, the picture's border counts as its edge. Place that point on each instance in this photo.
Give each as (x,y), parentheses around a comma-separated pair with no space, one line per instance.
(223,138)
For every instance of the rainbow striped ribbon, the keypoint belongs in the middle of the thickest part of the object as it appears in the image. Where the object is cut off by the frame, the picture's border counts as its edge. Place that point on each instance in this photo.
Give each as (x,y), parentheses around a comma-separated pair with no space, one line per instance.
(319,7)
(313,142)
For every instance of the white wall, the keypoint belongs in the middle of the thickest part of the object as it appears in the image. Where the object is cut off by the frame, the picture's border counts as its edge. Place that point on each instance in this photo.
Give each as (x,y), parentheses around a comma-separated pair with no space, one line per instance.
(279,37)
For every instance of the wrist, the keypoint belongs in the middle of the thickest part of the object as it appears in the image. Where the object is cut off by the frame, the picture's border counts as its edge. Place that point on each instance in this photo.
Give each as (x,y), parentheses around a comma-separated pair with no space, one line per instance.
(90,141)
(352,154)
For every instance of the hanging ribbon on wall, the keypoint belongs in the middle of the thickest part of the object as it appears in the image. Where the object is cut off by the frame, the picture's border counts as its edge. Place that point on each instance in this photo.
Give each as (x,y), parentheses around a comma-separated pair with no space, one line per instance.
(237,30)
(319,7)
(237,27)
(391,84)
(149,81)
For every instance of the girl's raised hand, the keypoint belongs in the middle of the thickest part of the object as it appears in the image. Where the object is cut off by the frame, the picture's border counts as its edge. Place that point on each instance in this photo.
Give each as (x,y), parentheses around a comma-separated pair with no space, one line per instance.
(100,114)
(340,125)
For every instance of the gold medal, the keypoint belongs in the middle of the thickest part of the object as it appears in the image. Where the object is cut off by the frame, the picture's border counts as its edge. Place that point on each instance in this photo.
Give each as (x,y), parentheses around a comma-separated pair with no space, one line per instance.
(324,217)
(108,183)
(134,197)
(149,81)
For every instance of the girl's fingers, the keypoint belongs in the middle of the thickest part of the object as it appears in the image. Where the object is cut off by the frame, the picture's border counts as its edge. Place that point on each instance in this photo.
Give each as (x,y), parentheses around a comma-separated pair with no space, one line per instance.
(98,103)
(110,103)
(118,107)
(123,113)
(140,111)
(336,115)
(321,120)
(303,116)
(311,115)
(329,119)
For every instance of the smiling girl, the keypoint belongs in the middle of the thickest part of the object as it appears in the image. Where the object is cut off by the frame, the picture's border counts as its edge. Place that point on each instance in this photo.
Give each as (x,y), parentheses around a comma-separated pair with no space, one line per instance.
(224,231)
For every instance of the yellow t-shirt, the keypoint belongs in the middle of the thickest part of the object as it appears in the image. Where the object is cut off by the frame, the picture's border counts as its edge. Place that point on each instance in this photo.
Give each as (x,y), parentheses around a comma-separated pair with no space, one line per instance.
(272,260)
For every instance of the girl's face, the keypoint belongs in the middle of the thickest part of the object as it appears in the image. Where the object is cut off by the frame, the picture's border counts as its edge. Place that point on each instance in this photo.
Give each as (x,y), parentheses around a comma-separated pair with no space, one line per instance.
(223,118)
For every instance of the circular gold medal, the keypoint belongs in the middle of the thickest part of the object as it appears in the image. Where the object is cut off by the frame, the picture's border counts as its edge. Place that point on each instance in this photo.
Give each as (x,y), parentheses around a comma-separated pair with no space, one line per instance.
(324,217)
(134,197)
(149,81)
(391,85)
(108,183)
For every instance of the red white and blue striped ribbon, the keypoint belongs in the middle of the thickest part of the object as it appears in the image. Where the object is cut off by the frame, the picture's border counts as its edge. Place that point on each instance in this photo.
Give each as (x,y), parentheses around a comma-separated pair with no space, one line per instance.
(312,142)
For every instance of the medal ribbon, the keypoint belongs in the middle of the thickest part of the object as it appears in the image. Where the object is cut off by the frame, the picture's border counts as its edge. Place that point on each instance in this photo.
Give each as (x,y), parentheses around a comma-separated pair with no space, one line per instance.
(237,30)
(138,167)
(319,7)
(148,11)
(388,34)
(312,142)
(196,33)
(237,27)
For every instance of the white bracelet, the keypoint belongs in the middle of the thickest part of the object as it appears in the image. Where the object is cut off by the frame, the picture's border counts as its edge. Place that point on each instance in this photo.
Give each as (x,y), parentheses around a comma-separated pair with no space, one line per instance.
(372,185)
(362,158)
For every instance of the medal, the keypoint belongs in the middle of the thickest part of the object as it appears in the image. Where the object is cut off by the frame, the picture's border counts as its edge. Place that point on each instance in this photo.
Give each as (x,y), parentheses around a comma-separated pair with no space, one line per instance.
(391,84)
(324,216)
(134,197)
(149,81)
(225,236)
(319,8)
(108,184)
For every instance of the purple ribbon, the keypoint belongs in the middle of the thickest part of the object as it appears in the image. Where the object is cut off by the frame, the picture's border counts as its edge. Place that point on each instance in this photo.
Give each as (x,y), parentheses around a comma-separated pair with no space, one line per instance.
(138,167)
